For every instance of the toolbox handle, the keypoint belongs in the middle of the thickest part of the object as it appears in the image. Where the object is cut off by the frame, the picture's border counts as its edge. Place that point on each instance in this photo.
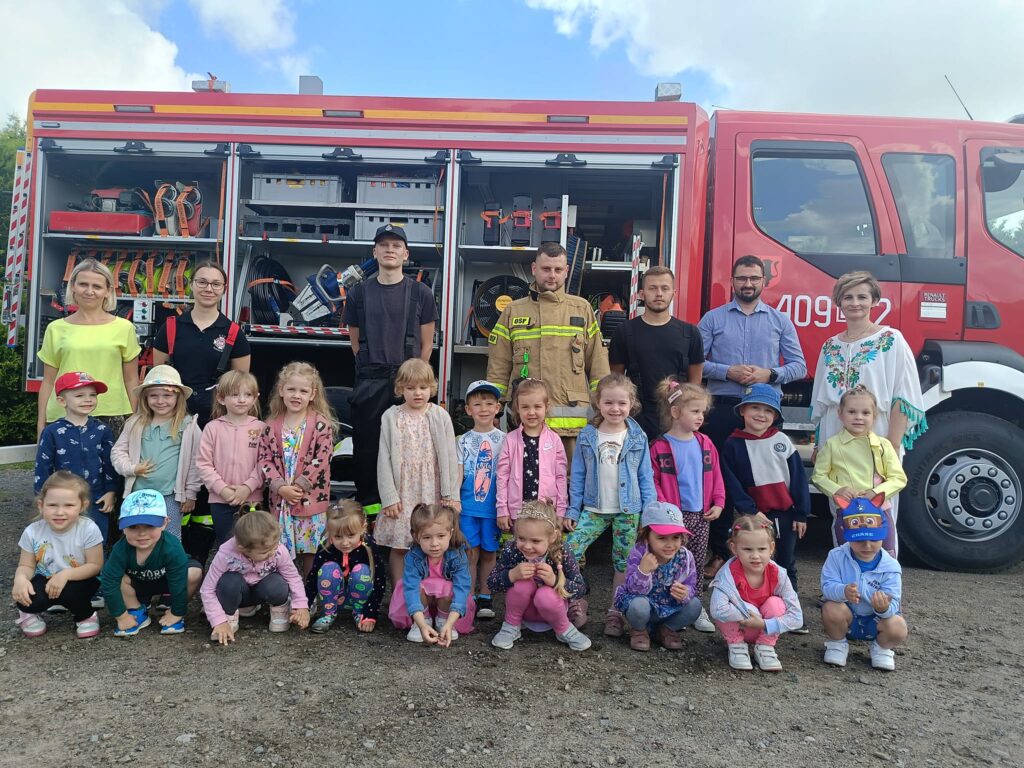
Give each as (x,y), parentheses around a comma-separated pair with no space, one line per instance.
(49,145)
(667,162)
(246,150)
(441,157)
(341,153)
(222,149)
(467,158)
(565,158)
(133,146)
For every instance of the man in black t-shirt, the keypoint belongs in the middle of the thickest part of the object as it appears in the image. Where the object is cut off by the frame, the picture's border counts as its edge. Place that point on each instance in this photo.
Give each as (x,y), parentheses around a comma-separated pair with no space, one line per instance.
(655,345)
(390,319)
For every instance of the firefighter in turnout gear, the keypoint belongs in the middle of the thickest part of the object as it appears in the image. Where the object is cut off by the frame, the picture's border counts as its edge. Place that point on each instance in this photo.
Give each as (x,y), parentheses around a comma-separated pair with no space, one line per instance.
(552,336)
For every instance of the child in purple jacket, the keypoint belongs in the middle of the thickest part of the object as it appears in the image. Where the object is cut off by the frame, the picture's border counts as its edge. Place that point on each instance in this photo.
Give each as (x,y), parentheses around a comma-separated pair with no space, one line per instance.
(660,590)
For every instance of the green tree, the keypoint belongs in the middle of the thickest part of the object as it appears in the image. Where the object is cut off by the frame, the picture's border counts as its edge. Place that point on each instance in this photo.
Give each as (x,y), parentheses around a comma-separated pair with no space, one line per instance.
(18,419)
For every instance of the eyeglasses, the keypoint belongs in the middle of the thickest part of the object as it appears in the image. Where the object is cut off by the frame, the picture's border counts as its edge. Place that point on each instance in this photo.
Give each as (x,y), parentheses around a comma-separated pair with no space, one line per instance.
(201,283)
(745,280)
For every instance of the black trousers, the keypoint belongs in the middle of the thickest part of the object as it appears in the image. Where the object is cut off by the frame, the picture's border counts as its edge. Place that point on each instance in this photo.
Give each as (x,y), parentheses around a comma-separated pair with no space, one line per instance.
(75,596)
(718,425)
(233,592)
(785,542)
(373,394)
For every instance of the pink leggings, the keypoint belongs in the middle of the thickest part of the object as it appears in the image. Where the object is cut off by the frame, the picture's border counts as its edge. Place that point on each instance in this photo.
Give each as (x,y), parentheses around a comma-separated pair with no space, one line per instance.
(733,633)
(527,601)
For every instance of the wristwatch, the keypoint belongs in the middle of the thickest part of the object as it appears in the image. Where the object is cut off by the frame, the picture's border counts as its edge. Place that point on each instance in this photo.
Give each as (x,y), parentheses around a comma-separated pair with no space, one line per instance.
(773,376)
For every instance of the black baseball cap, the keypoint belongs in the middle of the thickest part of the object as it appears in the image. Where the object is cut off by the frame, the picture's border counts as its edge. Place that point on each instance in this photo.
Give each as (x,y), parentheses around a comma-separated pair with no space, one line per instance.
(391,230)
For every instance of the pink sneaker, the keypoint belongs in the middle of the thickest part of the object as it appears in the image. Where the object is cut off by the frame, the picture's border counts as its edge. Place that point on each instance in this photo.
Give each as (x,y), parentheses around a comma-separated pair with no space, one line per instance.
(31,624)
(89,627)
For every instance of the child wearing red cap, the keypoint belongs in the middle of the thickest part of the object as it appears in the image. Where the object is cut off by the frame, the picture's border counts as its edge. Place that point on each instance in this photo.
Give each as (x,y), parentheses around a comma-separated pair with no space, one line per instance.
(80,444)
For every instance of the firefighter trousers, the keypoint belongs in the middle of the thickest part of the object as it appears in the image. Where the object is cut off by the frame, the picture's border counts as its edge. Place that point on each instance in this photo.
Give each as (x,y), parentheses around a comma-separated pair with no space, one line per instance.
(373,394)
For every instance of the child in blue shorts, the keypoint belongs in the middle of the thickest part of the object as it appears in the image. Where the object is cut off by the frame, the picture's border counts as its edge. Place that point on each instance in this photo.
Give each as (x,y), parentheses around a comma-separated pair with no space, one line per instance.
(863,587)
(478,452)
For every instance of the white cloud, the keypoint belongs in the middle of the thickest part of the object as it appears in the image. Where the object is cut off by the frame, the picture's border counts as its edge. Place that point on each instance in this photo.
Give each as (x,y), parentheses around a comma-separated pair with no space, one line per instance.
(868,57)
(252,26)
(82,44)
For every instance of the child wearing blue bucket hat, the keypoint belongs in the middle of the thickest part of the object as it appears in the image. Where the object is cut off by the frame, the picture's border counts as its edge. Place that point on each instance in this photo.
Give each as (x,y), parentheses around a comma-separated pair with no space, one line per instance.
(764,473)
(863,587)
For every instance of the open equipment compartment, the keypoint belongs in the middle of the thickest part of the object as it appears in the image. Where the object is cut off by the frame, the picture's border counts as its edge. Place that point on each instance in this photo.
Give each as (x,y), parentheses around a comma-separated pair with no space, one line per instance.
(599,199)
(308,210)
(85,207)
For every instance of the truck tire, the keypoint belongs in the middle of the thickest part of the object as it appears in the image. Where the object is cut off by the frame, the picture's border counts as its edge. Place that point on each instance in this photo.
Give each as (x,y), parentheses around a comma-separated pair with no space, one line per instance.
(962,507)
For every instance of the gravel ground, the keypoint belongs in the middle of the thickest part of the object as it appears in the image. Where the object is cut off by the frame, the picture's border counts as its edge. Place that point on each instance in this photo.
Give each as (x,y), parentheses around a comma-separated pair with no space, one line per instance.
(956,697)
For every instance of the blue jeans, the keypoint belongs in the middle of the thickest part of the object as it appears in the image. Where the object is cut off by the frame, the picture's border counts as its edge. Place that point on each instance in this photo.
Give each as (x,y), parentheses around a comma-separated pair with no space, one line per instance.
(640,615)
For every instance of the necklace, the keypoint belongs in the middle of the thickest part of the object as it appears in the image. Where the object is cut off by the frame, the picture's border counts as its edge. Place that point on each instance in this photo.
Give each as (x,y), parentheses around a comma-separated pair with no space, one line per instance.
(870,331)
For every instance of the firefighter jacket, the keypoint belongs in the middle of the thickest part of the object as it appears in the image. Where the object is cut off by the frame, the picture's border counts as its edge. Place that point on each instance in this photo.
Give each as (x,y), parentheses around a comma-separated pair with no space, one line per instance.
(552,336)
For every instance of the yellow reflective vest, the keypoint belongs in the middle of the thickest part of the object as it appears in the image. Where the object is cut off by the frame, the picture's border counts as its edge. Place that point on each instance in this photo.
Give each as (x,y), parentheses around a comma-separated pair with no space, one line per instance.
(552,336)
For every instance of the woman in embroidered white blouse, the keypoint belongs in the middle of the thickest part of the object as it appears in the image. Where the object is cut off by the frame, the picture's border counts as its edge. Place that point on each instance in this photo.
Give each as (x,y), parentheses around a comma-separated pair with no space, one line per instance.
(874,355)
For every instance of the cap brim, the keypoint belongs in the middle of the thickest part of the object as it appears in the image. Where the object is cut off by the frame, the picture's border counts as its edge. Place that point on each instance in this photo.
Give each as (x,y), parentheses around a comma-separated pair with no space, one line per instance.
(739,407)
(489,388)
(99,386)
(403,237)
(669,530)
(154,520)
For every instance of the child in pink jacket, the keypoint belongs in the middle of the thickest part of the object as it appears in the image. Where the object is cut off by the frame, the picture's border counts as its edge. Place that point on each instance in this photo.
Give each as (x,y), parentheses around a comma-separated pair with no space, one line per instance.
(532,464)
(228,450)
(253,568)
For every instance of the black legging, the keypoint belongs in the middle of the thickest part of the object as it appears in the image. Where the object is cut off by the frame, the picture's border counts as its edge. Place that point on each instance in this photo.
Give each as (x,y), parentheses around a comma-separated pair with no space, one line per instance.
(75,596)
(234,593)
(718,425)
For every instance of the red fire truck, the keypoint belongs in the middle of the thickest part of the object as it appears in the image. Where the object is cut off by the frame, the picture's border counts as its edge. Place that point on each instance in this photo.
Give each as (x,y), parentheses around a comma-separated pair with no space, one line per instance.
(286,191)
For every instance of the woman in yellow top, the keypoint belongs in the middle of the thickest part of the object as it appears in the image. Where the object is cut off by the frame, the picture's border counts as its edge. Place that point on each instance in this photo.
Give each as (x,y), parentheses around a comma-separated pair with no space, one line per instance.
(93,340)
(857,462)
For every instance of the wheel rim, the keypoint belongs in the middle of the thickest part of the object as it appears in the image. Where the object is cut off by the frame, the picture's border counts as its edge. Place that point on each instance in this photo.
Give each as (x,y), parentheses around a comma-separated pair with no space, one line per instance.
(973,495)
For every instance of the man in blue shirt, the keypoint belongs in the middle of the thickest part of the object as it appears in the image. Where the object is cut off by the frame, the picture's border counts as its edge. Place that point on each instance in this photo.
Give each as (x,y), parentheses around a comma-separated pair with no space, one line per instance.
(745,342)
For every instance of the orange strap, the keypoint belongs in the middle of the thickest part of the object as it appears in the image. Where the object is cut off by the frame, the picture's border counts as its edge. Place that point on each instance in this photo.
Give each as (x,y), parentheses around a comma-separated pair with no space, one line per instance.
(179,203)
(165,274)
(136,262)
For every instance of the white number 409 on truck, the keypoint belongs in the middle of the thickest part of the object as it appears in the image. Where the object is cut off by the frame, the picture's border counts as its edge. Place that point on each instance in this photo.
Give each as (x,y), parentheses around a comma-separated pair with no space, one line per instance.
(286,191)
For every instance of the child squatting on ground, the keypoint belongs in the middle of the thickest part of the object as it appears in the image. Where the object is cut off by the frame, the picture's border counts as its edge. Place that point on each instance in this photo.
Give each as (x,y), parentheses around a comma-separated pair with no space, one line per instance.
(863,588)
(478,451)
(752,600)
(61,554)
(611,481)
(659,593)
(144,564)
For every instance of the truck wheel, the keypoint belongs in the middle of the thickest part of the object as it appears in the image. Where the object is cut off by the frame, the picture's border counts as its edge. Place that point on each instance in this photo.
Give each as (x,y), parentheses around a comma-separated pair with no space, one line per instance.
(962,507)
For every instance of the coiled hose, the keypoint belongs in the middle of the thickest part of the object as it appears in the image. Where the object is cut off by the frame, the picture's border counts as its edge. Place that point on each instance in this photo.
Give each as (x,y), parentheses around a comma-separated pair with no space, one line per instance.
(271,291)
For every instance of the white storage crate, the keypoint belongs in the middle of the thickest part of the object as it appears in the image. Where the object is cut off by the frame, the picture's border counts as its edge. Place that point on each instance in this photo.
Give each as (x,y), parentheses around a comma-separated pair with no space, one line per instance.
(297,188)
(418,228)
(396,190)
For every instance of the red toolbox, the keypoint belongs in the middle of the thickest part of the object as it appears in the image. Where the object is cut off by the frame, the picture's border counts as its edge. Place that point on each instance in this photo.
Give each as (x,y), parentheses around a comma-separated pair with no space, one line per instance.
(101,223)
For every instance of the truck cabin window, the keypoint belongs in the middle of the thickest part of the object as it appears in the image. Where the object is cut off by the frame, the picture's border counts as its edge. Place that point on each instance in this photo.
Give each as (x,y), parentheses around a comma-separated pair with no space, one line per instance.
(813,203)
(924,188)
(1002,172)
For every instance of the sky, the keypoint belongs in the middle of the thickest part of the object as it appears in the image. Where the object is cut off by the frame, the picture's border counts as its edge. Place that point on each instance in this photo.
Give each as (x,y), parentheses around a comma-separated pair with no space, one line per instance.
(867,57)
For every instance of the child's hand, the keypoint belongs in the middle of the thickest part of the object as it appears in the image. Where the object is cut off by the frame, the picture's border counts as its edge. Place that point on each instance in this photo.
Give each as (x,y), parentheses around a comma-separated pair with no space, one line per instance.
(679,591)
(800,528)
(55,584)
(545,573)
(143,468)
(366,625)
(299,617)
(752,622)
(127,621)
(23,590)
(444,636)
(452,504)
(505,522)
(169,618)
(394,510)
(868,493)
(713,513)
(880,602)
(105,504)
(291,493)
(852,594)
(568,524)
(221,633)
(523,571)
(187,506)
(428,633)
(847,493)
(237,494)
(648,564)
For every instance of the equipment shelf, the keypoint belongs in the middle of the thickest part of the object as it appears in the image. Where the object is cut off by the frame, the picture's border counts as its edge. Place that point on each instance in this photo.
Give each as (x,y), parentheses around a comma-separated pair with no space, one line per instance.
(264,207)
(195,243)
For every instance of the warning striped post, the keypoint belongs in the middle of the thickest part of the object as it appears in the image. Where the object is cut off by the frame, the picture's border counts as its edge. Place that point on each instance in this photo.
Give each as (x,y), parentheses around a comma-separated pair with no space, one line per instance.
(634,278)
(17,245)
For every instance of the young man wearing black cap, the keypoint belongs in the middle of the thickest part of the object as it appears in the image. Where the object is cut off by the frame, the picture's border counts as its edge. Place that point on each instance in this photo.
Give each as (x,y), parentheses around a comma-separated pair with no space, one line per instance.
(390,319)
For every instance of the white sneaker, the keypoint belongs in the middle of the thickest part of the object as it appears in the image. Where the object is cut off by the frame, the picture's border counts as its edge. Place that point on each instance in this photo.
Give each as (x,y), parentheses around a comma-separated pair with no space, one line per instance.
(575,639)
(739,656)
(279,618)
(249,611)
(414,636)
(766,659)
(232,623)
(836,652)
(31,624)
(506,637)
(883,658)
(703,622)
(439,621)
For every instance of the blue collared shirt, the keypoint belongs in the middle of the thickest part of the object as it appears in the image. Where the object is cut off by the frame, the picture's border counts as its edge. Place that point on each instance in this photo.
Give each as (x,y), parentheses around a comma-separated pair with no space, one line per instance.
(763,338)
